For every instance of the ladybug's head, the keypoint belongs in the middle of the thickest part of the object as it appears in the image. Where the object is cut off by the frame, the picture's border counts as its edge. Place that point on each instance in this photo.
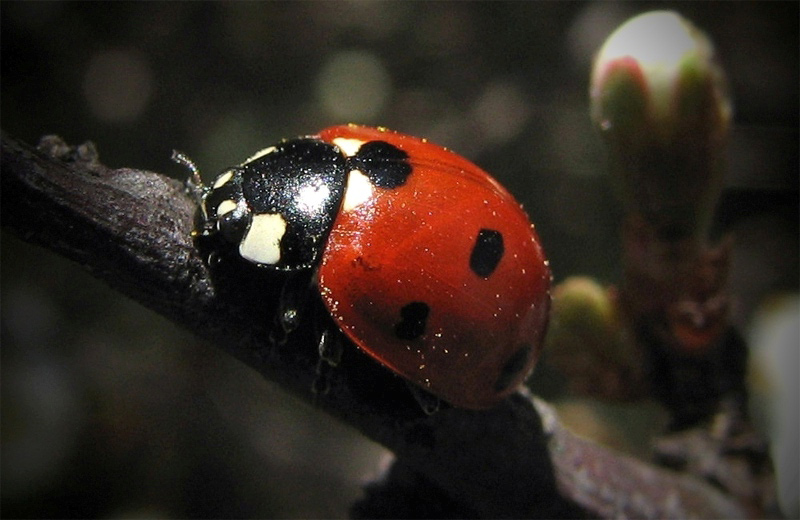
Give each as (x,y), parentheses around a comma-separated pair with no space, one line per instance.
(224,208)
(277,207)
(223,214)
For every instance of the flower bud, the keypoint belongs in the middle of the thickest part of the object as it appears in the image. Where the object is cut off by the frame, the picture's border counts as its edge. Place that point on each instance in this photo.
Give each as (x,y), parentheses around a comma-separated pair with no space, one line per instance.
(587,345)
(660,101)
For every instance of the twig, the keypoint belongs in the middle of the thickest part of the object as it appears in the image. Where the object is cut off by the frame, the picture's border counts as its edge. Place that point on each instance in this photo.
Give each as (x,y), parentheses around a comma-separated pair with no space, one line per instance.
(132,228)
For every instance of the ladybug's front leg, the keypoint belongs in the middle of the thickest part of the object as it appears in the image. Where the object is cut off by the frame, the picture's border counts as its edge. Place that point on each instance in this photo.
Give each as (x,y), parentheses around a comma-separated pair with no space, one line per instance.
(330,353)
(296,305)
(427,401)
(294,297)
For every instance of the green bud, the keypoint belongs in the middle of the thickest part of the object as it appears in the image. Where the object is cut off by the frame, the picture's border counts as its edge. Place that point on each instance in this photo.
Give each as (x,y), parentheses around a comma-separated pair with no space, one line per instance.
(587,344)
(659,99)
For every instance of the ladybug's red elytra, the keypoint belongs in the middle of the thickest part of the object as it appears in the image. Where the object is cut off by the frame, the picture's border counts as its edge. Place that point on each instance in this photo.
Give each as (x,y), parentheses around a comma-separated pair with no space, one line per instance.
(423,260)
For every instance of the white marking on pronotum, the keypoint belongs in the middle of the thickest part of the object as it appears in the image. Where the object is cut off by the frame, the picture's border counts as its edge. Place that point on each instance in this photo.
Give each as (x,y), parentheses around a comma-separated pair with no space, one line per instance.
(358,190)
(259,154)
(349,147)
(312,198)
(222,179)
(262,242)
(226,206)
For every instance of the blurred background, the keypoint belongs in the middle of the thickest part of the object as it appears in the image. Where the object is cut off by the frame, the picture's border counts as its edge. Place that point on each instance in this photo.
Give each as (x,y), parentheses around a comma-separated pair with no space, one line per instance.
(110,411)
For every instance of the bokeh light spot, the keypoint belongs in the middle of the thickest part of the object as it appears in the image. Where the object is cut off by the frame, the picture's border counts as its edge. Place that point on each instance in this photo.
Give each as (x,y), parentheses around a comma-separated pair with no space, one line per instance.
(118,84)
(353,86)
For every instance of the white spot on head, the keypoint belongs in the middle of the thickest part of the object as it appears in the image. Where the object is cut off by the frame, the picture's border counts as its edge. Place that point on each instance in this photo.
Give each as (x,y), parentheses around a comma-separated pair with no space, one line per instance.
(226,206)
(358,190)
(262,242)
(349,147)
(222,179)
(259,154)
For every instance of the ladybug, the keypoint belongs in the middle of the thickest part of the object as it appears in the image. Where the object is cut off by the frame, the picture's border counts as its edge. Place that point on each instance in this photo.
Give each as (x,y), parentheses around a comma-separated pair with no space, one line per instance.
(423,260)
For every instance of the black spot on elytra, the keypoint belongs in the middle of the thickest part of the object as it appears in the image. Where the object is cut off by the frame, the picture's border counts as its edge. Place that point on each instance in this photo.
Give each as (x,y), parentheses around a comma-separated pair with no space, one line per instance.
(385,165)
(512,368)
(486,253)
(413,320)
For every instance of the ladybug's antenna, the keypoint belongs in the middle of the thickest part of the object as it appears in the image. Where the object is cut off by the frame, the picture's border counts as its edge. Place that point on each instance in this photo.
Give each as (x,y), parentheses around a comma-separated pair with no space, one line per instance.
(194,183)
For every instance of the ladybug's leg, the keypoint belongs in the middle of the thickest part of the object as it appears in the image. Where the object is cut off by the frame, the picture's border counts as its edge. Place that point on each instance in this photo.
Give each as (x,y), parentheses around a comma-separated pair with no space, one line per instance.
(294,296)
(330,353)
(427,401)
(330,347)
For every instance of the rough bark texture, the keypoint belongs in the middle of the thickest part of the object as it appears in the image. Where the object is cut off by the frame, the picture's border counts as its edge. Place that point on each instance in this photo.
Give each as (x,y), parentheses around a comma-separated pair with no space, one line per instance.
(133,228)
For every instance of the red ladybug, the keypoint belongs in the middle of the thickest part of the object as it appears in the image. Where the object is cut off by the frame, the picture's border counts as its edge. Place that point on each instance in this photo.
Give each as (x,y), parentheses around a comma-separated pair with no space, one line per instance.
(423,260)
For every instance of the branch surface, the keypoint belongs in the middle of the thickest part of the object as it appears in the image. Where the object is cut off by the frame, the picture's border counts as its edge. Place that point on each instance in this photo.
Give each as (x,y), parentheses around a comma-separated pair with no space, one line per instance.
(132,229)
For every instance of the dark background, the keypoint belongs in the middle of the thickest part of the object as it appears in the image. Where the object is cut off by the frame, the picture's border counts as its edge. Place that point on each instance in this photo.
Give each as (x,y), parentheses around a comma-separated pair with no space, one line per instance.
(109,410)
